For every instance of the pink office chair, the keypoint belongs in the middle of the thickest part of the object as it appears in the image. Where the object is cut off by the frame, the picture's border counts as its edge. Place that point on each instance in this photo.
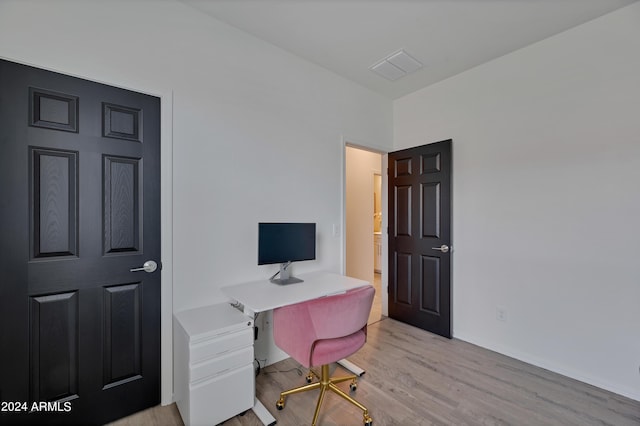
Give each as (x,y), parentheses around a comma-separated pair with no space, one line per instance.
(322,331)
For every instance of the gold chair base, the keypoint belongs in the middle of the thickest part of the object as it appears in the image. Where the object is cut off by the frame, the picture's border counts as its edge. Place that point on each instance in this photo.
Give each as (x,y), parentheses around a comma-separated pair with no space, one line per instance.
(327,383)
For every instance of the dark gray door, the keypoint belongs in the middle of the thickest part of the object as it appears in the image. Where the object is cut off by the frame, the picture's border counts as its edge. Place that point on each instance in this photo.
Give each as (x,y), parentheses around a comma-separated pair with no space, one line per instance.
(80,207)
(420,236)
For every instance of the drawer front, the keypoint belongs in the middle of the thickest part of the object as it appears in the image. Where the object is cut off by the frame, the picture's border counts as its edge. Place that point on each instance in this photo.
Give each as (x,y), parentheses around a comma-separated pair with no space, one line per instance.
(220,345)
(221,364)
(216,400)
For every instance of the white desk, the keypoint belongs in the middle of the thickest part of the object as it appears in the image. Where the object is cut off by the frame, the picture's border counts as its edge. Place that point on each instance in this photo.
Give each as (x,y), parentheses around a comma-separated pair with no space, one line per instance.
(260,296)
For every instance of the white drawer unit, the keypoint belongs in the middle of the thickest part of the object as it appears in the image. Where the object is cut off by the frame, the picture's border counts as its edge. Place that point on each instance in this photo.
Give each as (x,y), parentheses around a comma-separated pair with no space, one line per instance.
(213,364)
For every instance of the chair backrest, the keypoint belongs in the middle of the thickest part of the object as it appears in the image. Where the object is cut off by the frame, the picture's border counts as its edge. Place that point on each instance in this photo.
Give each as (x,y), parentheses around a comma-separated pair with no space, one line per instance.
(342,314)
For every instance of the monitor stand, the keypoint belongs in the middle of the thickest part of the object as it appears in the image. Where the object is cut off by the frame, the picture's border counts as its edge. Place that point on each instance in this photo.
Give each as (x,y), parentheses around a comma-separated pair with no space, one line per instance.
(285,277)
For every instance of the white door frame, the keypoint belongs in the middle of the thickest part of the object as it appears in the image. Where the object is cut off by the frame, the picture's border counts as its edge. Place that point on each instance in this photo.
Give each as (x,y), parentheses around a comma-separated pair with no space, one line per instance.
(166,219)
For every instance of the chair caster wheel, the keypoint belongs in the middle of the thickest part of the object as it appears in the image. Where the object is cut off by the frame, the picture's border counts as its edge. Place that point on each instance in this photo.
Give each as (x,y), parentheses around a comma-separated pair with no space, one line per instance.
(353,386)
(309,378)
(367,420)
(280,404)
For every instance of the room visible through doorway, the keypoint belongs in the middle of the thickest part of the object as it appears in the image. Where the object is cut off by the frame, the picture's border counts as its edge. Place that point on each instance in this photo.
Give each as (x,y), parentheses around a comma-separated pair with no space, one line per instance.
(363,221)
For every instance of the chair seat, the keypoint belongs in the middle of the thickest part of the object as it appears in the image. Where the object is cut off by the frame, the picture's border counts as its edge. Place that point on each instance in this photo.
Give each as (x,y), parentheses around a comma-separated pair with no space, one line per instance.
(322,331)
(327,351)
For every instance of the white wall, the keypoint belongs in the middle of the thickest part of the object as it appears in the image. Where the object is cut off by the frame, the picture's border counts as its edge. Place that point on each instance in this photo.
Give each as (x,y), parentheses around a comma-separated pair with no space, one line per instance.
(546,202)
(360,167)
(257,132)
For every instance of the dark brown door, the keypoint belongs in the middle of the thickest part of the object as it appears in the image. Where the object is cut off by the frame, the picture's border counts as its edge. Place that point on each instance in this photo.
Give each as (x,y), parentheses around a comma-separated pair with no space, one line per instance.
(79,208)
(420,236)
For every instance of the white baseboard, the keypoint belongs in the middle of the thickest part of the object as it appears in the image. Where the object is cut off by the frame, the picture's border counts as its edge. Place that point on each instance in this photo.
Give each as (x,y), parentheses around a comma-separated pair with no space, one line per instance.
(554,367)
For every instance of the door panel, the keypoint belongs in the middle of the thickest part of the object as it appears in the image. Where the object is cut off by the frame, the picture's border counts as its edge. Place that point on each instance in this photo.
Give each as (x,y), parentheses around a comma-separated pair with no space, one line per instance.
(403,198)
(53,110)
(420,220)
(122,334)
(430,273)
(54,347)
(80,178)
(430,223)
(54,203)
(402,273)
(121,188)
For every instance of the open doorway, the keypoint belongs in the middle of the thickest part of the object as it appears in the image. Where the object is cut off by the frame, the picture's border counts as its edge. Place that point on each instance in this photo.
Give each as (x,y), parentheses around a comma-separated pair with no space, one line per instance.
(363,221)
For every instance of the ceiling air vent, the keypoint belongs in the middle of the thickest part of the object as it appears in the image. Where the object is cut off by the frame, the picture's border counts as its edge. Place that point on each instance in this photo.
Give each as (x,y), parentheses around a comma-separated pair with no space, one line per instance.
(396,65)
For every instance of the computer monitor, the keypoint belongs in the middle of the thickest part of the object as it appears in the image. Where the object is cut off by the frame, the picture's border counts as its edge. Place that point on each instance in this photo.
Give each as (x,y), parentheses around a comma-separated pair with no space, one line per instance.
(284,243)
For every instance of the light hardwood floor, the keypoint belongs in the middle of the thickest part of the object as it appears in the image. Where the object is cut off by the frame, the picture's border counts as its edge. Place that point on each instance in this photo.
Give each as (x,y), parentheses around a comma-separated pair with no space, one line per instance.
(417,378)
(376,309)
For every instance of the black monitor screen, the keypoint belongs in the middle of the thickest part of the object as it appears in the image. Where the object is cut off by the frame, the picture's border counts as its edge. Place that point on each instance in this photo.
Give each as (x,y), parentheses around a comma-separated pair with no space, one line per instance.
(286,242)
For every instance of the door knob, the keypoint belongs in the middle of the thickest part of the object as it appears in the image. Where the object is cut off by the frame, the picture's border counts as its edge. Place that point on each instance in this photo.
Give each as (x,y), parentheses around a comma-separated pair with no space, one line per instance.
(443,248)
(149,266)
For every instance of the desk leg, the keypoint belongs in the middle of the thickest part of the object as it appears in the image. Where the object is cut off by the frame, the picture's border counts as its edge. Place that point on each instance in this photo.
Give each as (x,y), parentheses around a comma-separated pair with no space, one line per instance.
(351,367)
(258,409)
(265,416)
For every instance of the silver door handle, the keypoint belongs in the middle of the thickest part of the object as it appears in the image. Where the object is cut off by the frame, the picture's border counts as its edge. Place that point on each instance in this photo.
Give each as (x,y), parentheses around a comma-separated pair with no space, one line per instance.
(149,266)
(443,248)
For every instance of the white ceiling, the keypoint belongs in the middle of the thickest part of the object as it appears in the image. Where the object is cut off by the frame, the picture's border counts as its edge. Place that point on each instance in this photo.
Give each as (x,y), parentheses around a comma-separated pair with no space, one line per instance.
(447,36)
